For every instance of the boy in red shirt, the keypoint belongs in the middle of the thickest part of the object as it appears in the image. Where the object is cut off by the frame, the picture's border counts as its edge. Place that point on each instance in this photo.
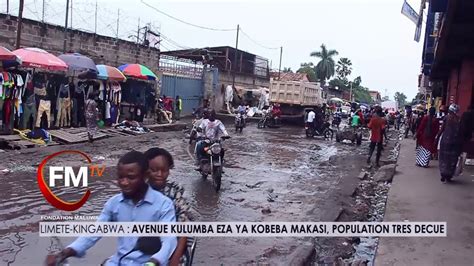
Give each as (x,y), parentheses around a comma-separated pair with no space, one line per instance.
(376,125)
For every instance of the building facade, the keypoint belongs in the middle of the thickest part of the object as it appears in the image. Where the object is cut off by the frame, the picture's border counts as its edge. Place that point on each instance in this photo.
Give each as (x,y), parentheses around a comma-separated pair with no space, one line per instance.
(376,97)
(448,53)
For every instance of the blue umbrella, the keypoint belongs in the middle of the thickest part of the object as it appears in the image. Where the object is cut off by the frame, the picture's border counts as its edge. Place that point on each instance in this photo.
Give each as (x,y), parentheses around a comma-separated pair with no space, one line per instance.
(78,62)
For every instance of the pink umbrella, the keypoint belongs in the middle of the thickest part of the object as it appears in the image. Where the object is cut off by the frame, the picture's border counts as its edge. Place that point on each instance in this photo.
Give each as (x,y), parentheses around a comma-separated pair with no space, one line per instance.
(38,58)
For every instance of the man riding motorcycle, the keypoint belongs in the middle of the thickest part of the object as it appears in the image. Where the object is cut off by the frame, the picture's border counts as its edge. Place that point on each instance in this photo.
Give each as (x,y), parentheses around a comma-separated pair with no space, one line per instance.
(211,129)
(276,113)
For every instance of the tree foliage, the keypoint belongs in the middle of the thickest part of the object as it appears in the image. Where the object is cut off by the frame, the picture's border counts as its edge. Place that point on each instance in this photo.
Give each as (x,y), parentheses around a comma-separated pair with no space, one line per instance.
(400,98)
(287,70)
(309,69)
(325,68)
(385,98)
(344,69)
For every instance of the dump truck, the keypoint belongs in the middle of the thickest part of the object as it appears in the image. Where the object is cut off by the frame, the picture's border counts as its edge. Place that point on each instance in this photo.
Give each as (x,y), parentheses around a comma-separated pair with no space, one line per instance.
(295,96)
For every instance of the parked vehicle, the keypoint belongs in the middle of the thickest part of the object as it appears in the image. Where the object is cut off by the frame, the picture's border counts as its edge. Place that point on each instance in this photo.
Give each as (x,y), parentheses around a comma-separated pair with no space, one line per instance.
(212,164)
(295,96)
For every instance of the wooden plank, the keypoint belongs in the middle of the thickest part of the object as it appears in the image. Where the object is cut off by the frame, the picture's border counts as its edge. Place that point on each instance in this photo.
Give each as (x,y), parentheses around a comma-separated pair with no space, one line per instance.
(24,143)
(10,137)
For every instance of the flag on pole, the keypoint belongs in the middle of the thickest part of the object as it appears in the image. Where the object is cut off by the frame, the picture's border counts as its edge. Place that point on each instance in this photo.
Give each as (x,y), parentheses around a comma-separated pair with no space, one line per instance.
(419,24)
(408,11)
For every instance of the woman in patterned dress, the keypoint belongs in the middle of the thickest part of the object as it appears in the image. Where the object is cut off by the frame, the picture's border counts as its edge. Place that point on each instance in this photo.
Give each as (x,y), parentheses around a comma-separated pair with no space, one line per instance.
(426,137)
(450,144)
(160,162)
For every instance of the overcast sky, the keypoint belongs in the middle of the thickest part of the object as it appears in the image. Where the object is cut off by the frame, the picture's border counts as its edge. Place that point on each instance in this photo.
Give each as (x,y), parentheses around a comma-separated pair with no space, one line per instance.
(373,34)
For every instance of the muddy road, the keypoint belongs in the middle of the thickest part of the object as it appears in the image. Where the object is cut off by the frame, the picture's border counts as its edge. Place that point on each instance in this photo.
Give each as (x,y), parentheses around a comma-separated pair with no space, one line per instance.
(297,179)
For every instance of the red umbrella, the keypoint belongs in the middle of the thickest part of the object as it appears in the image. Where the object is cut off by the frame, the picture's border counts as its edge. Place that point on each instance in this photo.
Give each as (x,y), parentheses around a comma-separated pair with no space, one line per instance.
(6,55)
(38,58)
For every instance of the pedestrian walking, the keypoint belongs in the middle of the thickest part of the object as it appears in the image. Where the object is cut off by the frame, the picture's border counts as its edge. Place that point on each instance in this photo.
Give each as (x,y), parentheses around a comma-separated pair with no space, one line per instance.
(408,122)
(91,116)
(179,107)
(466,129)
(450,144)
(426,138)
(377,126)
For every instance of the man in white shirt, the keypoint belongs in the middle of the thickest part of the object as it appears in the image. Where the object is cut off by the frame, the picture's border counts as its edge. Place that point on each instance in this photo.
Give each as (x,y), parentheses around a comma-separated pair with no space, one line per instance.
(311,117)
(211,129)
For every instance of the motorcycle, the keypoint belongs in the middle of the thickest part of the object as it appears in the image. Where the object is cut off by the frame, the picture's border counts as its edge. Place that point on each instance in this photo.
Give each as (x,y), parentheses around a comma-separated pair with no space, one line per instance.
(212,164)
(268,121)
(151,245)
(336,121)
(240,122)
(324,130)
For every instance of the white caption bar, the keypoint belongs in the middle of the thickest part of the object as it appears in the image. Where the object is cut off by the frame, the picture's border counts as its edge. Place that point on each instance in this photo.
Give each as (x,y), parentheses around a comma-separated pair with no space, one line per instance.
(245,229)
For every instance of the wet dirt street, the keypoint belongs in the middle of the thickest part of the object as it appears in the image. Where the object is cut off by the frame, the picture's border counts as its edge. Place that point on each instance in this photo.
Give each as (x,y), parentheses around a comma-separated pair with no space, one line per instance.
(296,178)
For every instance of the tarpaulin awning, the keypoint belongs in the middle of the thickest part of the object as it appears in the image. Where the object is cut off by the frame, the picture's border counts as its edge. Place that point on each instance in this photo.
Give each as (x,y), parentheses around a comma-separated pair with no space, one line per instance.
(38,58)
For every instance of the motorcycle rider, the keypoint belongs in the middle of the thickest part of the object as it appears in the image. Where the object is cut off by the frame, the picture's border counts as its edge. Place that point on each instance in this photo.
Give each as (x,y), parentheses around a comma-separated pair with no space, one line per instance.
(276,113)
(128,206)
(211,129)
(242,110)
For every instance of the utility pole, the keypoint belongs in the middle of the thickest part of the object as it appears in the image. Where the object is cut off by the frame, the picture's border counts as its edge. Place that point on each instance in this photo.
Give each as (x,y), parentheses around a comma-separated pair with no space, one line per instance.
(118,21)
(18,28)
(138,32)
(42,17)
(8,7)
(71,15)
(95,28)
(65,26)
(235,55)
(279,68)
(350,93)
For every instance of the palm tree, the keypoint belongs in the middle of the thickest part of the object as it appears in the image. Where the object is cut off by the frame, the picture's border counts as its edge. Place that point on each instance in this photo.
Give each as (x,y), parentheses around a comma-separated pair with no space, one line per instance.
(326,66)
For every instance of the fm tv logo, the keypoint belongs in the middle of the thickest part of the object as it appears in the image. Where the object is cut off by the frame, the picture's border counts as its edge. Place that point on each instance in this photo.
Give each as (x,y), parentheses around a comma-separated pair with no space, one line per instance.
(71,178)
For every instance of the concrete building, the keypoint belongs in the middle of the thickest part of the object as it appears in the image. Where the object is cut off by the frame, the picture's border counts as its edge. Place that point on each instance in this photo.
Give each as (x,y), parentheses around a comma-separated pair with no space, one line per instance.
(227,66)
(376,96)
(448,54)
(289,76)
(102,49)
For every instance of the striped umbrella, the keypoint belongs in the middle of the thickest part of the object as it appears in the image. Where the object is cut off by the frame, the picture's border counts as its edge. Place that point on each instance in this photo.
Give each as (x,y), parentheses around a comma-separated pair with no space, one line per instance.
(110,73)
(137,71)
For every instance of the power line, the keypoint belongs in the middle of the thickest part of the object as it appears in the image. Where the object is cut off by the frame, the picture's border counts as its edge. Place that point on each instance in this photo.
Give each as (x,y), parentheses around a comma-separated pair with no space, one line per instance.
(261,45)
(169,40)
(182,21)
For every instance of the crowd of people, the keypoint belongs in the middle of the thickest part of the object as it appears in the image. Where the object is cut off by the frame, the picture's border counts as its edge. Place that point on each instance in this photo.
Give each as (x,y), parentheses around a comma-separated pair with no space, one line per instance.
(444,135)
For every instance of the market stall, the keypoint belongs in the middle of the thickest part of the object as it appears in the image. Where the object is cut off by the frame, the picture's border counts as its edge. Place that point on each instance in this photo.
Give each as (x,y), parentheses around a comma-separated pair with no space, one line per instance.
(138,93)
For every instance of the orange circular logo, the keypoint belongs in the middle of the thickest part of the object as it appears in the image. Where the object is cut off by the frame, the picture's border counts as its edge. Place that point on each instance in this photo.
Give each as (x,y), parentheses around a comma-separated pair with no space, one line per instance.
(46,190)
